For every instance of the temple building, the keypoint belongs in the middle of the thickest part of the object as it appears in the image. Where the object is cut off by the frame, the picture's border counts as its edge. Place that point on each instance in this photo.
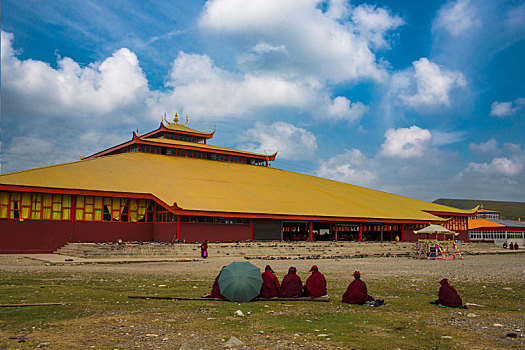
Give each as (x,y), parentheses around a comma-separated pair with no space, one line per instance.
(171,185)
(486,226)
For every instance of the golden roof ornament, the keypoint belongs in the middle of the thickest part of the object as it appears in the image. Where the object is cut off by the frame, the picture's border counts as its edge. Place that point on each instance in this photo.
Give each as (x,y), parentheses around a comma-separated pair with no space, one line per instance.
(176,119)
(186,120)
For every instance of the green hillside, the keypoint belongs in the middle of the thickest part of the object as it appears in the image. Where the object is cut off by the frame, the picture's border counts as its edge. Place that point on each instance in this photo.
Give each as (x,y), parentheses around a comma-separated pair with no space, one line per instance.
(509,210)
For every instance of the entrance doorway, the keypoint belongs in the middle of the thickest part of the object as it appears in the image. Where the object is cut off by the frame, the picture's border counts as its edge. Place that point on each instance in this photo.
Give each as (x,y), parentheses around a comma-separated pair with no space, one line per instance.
(324,231)
(295,231)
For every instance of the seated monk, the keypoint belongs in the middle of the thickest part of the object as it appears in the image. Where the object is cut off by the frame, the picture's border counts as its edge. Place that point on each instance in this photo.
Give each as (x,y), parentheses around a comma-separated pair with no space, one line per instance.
(292,286)
(448,296)
(315,284)
(357,293)
(270,286)
(215,289)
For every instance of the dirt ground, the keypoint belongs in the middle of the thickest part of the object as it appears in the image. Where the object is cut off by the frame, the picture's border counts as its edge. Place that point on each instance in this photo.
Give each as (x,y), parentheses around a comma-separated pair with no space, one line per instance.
(479,269)
(509,267)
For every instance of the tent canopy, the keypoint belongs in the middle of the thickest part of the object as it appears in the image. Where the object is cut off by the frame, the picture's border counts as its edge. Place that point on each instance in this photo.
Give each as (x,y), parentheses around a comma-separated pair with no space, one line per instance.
(436,230)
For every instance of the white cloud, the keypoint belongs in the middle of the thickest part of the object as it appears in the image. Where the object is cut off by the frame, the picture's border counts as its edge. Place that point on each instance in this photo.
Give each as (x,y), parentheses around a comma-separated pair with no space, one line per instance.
(24,152)
(206,91)
(491,146)
(512,147)
(351,167)
(505,109)
(457,17)
(498,166)
(341,108)
(338,9)
(433,84)
(406,142)
(511,165)
(373,24)
(441,138)
(34,87)
(515,17)
(292,143)
(319,44)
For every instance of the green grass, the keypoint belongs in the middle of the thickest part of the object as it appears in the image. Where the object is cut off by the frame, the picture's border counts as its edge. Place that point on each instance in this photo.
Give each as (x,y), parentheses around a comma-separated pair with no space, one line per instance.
(99,314)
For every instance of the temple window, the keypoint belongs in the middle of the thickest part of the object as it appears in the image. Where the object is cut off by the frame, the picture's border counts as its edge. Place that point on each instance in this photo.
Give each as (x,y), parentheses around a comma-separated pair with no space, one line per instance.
(213,220)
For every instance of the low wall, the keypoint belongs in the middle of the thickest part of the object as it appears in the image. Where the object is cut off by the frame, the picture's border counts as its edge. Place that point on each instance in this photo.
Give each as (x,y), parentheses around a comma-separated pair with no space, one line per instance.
(214,232)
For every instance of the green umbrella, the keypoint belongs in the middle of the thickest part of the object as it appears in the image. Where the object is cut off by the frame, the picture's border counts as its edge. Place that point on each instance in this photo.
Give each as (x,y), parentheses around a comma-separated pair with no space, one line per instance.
(240,281)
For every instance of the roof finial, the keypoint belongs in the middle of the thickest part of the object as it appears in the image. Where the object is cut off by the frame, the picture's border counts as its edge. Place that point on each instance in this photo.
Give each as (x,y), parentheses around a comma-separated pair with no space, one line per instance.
(186,120)
(176,119)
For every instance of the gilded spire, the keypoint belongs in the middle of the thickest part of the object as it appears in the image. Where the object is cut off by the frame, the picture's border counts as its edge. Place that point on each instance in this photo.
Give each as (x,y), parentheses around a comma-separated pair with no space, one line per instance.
(176,119)
(186,120)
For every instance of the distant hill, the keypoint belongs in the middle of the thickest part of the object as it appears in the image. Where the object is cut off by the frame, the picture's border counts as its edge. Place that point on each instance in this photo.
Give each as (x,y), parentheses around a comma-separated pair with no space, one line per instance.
(509,210)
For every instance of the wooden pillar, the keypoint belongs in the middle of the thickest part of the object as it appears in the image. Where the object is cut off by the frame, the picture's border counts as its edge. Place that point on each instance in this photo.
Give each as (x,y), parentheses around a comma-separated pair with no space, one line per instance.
(178,227)
(381,232)
(360,232)
(73,215)
(251,230)
(311,238)
(335,227)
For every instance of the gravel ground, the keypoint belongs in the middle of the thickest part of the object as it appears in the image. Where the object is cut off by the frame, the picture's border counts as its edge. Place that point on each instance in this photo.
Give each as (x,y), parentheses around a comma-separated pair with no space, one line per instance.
(490,269)
(494,267)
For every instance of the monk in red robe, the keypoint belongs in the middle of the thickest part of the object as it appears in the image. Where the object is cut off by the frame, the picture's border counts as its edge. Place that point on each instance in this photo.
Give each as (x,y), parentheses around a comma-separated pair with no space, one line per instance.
(270,287)
(357,293)
(448,296)
(216,289)
(315,284)
(204,249)
(292,286)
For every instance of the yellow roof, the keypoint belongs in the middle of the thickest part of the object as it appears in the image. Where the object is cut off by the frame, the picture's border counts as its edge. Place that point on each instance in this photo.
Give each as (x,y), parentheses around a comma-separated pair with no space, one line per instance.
(203,146)
(487,211)
(477,223)
(184,128)
(204,185)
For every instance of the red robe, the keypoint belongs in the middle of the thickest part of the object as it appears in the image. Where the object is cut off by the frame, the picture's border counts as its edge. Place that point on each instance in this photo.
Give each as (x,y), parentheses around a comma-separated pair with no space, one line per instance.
(356,293)
(292,286)
(204,250)
(215,289)
(315,285)
(448,296)
(270,286)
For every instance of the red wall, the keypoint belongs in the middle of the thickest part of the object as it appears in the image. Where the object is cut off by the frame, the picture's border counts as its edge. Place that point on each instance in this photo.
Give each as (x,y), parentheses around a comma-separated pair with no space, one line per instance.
(33,236)
(46,236)
(165,232)
(214,232)
(93,231)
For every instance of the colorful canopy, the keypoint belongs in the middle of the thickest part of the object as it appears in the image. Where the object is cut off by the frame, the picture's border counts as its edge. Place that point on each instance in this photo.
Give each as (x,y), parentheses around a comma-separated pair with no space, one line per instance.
(436,230)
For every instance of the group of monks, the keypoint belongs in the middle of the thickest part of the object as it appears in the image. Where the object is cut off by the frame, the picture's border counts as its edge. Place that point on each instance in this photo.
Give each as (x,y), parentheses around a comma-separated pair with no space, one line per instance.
(315,286)
(292,285)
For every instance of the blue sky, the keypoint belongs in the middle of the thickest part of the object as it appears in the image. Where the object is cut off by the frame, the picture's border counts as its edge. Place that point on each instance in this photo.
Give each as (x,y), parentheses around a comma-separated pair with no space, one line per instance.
(423,99)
